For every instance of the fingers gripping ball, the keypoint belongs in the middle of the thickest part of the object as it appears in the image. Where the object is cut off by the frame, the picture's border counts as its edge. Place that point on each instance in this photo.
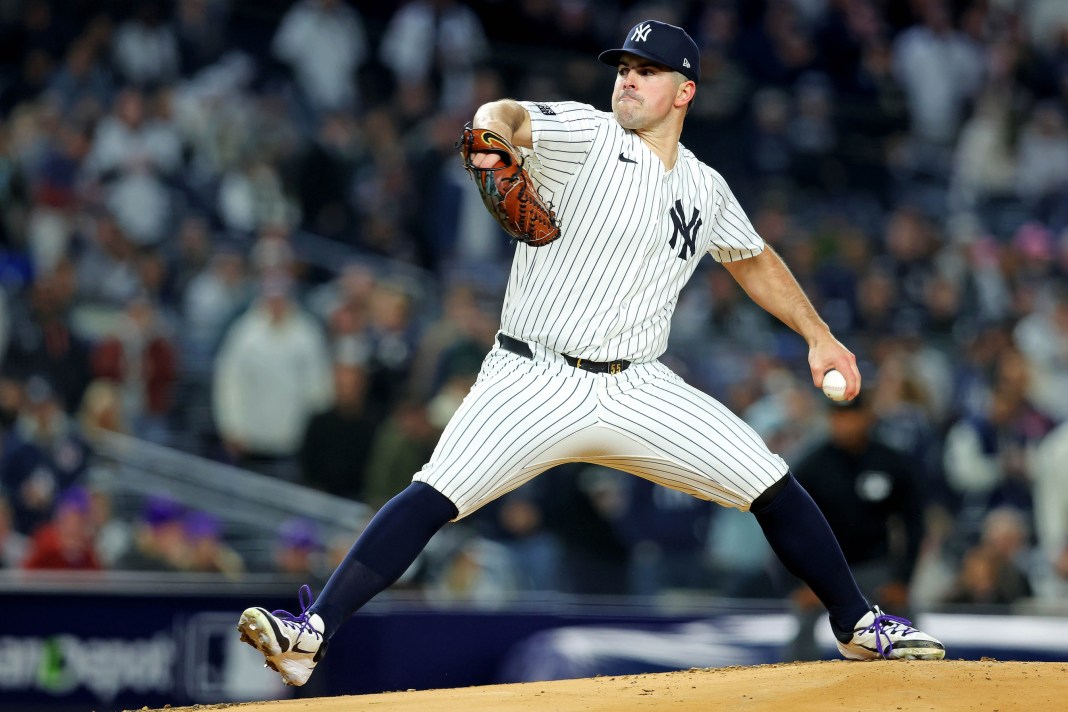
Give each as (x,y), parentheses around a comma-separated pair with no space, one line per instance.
(507,190)
(834,385)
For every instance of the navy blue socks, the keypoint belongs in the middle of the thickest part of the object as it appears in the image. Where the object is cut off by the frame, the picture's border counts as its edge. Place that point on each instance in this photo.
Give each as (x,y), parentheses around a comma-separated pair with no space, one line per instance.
(383,552)
(800,536)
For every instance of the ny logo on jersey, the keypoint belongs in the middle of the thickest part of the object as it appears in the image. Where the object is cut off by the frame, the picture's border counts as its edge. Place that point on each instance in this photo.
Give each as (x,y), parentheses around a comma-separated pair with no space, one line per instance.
(688,230)
(641,32)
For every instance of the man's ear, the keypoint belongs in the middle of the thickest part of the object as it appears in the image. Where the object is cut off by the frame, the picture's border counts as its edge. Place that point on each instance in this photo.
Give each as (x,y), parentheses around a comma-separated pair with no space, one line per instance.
(685,93)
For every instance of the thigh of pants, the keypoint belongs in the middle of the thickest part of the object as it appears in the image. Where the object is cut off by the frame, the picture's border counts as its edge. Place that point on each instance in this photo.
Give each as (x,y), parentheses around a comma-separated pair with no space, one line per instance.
(524,416)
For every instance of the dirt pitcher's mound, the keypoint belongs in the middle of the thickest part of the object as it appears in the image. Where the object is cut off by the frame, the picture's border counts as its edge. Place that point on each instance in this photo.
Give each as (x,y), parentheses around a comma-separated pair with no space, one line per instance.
(877,686)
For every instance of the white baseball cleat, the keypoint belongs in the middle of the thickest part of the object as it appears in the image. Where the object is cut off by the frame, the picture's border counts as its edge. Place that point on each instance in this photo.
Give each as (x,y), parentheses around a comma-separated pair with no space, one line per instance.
(291,645)
(879,635)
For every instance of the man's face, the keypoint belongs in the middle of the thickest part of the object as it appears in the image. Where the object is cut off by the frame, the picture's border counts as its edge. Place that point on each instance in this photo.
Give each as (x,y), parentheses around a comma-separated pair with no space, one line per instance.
(644,92)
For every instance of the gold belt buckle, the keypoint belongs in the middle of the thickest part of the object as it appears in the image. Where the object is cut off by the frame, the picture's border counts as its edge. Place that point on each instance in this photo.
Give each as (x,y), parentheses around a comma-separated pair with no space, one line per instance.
(578,363)
(615,368)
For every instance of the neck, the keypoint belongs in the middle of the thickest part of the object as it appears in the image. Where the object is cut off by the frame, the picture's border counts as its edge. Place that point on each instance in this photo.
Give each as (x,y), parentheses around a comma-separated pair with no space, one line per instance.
(663,140)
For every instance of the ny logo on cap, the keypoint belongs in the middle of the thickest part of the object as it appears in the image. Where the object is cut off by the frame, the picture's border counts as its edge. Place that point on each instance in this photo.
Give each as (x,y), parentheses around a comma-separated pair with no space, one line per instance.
(641,32)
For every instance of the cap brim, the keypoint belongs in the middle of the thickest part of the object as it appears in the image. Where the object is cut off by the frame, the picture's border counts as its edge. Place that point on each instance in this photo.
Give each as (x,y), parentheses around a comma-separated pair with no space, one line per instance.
(611,57)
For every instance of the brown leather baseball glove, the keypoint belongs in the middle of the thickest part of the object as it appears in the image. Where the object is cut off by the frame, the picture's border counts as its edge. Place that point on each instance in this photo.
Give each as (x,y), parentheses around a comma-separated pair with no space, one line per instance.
(507,190)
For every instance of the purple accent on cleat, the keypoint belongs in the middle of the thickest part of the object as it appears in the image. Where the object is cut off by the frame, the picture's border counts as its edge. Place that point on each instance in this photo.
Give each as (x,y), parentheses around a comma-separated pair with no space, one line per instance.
(882,619)
(305,596)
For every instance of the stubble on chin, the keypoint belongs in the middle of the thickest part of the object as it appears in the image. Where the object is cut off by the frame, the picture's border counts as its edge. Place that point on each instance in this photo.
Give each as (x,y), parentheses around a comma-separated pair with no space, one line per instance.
(626,114)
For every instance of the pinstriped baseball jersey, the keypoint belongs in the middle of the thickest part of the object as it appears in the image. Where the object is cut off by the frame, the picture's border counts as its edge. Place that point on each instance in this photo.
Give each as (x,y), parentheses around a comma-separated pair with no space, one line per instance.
(632,234)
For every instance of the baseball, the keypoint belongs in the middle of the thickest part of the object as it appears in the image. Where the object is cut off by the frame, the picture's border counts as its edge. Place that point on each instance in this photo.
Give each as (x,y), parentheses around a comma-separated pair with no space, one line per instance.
(834,385)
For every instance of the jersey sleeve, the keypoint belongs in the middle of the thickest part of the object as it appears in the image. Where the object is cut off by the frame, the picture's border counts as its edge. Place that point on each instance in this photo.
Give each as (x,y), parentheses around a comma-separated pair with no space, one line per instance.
(562,133)
(733,236)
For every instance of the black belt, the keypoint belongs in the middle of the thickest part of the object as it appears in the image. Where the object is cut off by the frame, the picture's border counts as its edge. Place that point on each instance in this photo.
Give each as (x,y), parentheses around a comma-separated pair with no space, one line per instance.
(522,348)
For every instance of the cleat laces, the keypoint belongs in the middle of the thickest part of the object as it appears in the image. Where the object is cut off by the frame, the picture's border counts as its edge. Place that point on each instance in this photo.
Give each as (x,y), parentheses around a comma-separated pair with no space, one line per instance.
(301,622)
(893,624)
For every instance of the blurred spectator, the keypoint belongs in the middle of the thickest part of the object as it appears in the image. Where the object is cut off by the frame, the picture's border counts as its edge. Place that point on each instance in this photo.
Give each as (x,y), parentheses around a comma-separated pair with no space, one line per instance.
(988,455)
(160,542)
(67,541)
(190,251)
(81,87)
(44,456)
(207,550)
(10,404)
(139,357)
(13,545)
(112,535)
(1051,511)
(770,142)
(212,298)
(297,550)
(42,341)
(133,151)
(940,69)
(403,444)
(323,42)
(518,522)
(870,495)
(472,569)
(906,422)
(437,42)
(55,188)
(271,375)
(985,161)
(145,47)
(391,336)
(132,139)
(583,510)
(813,135)
(31,44)
(102,409)
(1042,337)
(995,571)
(463,321)
(778,47)
(1043,153)
(251,196)
(107,270)
(666,531)
(337,442)
(200,31)
(325,177)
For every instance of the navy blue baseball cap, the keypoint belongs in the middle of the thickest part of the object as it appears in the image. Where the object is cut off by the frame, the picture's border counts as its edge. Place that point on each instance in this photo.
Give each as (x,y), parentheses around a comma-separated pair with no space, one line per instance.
(661,43)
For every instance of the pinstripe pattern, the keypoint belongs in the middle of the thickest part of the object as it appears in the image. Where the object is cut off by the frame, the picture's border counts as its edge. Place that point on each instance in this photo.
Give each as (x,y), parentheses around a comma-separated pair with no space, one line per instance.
(524,416)
(604,291)
(607,288)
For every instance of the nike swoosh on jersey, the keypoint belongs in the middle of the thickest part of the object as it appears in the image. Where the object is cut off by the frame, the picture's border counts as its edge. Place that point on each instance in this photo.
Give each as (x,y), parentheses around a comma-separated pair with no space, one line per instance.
(625,159)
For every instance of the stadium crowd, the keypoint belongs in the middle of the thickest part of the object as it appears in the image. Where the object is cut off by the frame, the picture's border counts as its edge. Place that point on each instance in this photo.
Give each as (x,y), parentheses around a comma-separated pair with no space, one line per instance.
(241,229)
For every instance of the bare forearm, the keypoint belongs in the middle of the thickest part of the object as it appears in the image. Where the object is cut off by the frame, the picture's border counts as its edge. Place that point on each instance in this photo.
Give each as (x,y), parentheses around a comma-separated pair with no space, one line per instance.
(768,282)
(506,117)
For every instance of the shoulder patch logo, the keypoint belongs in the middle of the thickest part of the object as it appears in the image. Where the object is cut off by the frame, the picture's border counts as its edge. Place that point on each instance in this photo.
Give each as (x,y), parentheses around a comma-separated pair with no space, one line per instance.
(546,109)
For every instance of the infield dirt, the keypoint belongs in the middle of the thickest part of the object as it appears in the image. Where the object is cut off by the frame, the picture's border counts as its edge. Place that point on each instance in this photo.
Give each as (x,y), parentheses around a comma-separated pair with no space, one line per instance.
(877,686)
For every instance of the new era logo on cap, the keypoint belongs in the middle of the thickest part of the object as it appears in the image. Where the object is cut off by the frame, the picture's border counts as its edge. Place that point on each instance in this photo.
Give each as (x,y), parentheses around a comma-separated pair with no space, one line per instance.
(661,43)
